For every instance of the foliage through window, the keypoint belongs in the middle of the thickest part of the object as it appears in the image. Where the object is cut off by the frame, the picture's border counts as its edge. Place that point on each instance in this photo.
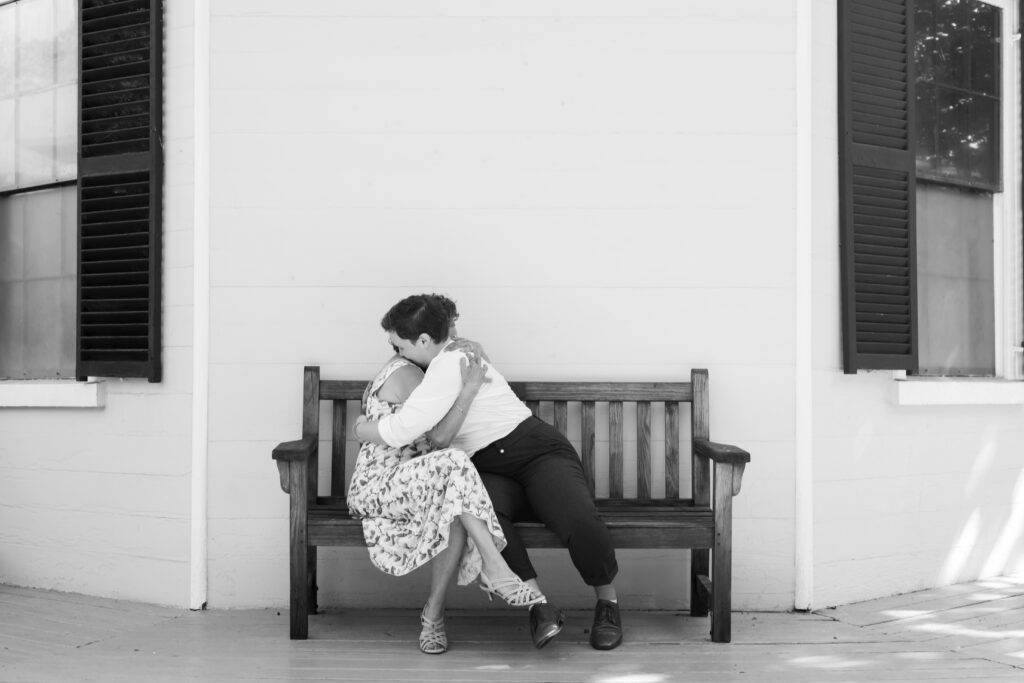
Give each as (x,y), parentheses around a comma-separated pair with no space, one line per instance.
(956,59)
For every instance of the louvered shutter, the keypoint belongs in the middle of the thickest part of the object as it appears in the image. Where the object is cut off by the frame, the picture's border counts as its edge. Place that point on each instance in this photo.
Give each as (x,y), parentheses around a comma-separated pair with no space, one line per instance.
(876,184)
(120,168)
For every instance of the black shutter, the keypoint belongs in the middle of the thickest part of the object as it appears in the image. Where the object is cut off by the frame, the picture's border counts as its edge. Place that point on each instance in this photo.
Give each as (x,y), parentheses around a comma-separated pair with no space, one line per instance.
(876,184)
(120,170)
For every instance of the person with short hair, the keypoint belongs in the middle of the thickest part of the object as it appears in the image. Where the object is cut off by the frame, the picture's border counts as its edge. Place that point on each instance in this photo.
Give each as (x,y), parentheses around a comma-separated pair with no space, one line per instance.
(529,468)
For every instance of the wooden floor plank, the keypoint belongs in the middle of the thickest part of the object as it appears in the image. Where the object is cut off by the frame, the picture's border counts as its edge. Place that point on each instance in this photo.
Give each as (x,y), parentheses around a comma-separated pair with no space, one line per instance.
(955,636)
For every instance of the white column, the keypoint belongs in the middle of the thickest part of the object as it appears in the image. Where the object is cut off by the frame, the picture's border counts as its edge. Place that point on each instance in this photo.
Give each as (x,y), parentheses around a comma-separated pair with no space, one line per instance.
(803,362)
(198,550)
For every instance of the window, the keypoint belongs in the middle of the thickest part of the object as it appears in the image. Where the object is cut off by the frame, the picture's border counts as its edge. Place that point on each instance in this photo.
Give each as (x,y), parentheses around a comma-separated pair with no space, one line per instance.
(957,117)
(929,187)
(38,168)
(81,97)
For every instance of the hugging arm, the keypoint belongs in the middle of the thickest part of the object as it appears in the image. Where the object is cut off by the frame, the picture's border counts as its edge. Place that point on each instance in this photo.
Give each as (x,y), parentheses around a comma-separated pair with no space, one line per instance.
(473,376)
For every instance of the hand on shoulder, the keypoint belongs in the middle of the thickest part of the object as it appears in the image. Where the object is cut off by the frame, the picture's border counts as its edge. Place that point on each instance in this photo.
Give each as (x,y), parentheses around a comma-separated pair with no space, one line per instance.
(469,347)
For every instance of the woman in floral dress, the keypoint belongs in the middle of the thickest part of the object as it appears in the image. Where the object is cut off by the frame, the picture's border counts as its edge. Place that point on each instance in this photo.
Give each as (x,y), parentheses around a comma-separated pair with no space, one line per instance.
(419,503)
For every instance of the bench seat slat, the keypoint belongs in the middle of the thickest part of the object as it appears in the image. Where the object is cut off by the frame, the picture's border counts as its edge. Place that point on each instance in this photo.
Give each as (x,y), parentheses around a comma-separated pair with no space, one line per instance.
(678,528)
(335,506)
(695,528)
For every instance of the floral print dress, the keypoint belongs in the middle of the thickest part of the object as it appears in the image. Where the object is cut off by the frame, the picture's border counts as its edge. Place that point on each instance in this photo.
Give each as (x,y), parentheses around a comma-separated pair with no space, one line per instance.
(408,497)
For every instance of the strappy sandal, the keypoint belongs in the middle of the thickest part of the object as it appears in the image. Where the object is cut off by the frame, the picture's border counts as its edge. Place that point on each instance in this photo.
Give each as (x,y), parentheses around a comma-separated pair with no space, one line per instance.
(512,590)
(433,639)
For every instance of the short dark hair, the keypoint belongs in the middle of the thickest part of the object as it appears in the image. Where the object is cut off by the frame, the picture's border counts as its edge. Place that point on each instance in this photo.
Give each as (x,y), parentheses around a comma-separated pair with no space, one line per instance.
(433,314)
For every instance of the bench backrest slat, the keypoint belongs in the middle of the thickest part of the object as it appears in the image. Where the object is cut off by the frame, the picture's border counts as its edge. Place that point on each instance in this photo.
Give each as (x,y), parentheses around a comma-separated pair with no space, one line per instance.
(615,449)
(339,435)
(559,401)
(699,422)
(561,409)
(311,419)
(587,431)
(671,450)
(643,449)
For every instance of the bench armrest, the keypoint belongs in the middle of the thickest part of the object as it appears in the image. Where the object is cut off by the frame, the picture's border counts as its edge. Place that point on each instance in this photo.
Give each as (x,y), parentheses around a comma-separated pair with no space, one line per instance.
(720,452)
(292,459)
(290,451)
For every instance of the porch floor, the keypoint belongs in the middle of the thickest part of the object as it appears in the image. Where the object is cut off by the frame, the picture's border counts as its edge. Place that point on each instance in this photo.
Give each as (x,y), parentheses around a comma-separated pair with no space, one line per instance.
(971,631)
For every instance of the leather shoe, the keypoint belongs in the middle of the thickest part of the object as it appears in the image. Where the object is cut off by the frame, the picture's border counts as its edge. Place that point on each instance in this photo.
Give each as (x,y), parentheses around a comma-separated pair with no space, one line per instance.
(545,623)
(606,633)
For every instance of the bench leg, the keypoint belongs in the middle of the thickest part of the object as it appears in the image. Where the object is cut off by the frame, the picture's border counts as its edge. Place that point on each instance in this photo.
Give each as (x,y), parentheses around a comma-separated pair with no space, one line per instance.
(299,553)
(698,593)
(311,578)
(721,579)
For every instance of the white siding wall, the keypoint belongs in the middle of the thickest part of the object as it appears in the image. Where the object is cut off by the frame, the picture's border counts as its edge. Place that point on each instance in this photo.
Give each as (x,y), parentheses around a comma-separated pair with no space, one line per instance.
(96,500)
(606,189)
(906,497)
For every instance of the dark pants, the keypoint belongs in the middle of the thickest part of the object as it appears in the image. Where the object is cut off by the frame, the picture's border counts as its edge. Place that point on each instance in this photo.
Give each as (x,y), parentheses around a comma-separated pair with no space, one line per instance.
(534,474)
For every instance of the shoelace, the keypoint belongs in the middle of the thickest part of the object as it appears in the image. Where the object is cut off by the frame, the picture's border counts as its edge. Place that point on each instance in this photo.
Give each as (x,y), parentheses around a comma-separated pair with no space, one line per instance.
(606,614)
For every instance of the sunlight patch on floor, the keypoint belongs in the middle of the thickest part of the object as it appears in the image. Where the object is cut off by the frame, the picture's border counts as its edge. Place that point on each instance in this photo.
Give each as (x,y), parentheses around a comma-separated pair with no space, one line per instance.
(827,662)
(984,597)
(955,630)
(920,656)
(904,613)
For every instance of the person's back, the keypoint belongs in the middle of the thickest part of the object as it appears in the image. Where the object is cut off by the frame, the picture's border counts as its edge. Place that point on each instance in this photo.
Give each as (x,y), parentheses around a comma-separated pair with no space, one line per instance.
(495,411)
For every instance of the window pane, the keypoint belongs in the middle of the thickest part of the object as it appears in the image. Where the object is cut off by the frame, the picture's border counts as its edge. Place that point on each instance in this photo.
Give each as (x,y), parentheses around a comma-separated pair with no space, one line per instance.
(926,43)
(984,49)
(38,93)
(35,139)
(65,26)
(957,92)
(952,30)
(951,133)
(927,153)
(7,171)
(36,48)
(956,327)
(65,141)
(8,47)
(982,138)
(38,284)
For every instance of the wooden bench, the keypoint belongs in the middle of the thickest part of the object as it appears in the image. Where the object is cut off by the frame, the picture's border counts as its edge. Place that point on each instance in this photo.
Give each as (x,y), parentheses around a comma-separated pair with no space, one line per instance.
(701,522)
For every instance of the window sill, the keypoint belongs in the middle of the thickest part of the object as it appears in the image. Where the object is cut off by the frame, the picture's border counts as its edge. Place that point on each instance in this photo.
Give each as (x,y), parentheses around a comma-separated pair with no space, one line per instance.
(51,394)
(959,392)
